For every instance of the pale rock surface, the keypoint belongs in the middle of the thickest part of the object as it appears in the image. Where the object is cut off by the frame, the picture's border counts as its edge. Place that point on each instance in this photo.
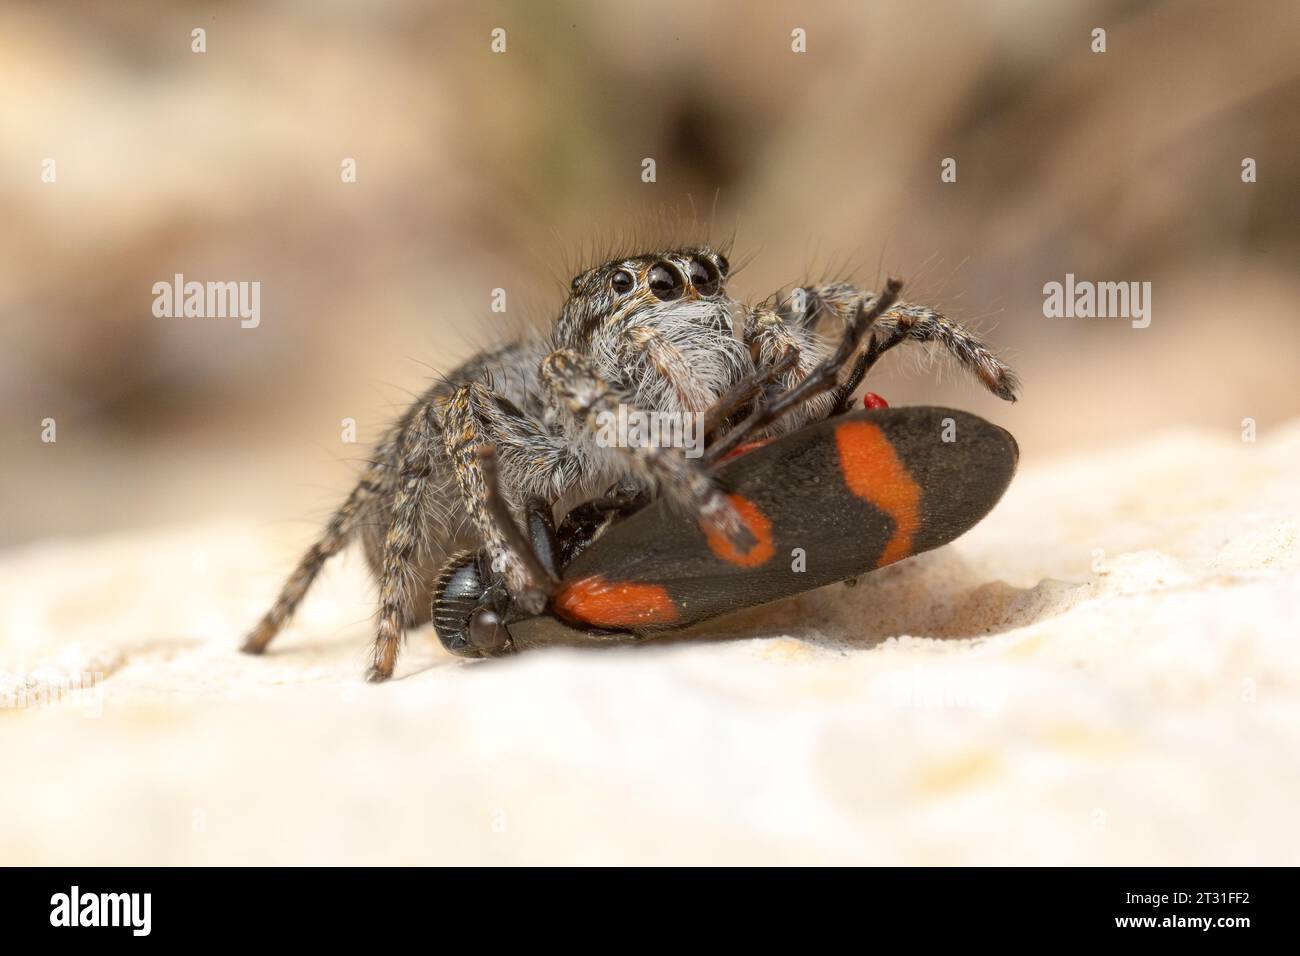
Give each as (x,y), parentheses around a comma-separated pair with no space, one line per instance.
(1104,671)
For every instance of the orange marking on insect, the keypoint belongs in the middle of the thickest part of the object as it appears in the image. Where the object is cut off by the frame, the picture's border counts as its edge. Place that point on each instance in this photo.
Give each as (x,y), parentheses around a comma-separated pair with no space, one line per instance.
(759,526)
(744,449)
(601,603)
(873,472)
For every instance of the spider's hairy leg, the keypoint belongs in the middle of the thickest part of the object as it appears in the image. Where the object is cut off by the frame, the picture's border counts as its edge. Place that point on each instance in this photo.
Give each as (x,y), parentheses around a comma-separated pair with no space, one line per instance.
(904,321)
(807,305)
(337,533)
(477,419)
(419,443)
(921,324)
(586,396)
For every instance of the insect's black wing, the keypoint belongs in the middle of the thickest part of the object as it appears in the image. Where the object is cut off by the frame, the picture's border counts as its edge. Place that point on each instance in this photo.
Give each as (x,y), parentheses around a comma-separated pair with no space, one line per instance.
(830,502)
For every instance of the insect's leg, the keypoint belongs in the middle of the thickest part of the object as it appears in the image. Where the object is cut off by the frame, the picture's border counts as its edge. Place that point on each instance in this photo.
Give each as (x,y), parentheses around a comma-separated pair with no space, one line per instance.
(420,442)
(844,393)
(904,321)
(587,521)
(587,396)
(337,533)
(821,379)
(539,519)
(876,347)
(748,389)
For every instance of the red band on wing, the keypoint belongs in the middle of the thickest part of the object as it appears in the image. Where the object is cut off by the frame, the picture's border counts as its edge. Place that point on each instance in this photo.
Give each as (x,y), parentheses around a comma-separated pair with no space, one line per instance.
(744,449)
(614,604)
(873,472)
(759,526)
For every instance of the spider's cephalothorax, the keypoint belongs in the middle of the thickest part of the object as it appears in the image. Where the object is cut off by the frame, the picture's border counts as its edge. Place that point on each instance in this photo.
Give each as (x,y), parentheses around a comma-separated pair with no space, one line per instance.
(647,333)
(659,327)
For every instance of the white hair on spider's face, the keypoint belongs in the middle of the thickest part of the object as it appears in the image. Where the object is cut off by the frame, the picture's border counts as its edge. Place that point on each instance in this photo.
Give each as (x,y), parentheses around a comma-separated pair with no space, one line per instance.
(660,322)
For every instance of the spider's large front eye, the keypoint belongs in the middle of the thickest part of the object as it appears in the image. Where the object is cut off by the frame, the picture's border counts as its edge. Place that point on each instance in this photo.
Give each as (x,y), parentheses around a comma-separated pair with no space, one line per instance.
(665,282)
(723,265)
(622,281)
(703,275)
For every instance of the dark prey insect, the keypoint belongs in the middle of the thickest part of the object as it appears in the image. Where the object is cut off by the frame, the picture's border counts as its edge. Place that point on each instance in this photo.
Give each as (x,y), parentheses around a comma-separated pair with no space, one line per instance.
(841,497)
(652,333)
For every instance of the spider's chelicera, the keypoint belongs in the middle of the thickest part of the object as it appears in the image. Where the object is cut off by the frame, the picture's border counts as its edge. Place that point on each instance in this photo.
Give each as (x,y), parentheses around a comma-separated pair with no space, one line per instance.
(513,431)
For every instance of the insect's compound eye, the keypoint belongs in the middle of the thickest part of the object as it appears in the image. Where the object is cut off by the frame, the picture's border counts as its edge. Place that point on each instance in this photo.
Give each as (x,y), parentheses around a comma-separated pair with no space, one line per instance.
(486,632)
(704,276)
(622,281)
(723,265)
(665,282)
(457,596)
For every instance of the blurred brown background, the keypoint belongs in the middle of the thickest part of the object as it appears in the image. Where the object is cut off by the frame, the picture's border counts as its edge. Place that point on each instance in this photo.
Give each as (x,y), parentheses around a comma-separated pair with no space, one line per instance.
(479,170)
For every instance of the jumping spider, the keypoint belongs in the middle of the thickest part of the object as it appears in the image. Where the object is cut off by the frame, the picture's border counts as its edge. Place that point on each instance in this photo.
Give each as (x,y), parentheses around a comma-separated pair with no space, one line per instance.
(653,332)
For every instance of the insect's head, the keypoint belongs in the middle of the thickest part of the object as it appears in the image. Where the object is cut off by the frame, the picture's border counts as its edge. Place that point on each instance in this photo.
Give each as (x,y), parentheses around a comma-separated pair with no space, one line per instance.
(645,288)
(469,608)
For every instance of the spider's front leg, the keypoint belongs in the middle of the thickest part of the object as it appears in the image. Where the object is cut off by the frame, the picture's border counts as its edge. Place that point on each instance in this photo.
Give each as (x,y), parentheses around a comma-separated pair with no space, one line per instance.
(484,430)
(586,396)
(903,321)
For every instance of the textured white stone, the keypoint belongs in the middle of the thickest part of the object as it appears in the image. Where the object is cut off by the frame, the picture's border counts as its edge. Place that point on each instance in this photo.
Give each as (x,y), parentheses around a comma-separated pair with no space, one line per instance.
(1105,671)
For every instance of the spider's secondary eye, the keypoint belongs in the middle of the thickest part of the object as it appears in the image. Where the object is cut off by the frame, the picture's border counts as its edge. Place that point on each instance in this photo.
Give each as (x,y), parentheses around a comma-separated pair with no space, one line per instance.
(704,276)
(577,281)
(622,281)
(666,282)
(723,265)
